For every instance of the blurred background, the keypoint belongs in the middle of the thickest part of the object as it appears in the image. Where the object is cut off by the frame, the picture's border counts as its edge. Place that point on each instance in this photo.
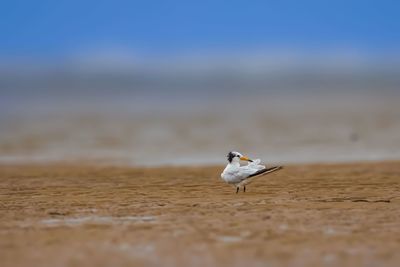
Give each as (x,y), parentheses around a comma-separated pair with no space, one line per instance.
(184,82)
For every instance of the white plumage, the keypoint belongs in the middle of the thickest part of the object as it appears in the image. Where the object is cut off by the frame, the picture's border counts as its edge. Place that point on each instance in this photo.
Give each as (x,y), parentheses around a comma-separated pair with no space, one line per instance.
(240,176)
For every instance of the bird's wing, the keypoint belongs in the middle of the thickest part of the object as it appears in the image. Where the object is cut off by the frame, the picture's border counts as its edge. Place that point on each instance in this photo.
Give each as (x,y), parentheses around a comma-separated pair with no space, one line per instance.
(247,171)
(236,175)
(265,171)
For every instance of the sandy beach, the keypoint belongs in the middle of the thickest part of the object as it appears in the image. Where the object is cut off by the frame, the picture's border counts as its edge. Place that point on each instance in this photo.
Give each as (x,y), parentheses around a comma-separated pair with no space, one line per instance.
(118,118)
(304,215)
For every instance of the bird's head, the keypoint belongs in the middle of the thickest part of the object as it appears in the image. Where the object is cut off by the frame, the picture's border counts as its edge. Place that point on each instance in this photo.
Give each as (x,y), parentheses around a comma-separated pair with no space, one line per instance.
(234,156)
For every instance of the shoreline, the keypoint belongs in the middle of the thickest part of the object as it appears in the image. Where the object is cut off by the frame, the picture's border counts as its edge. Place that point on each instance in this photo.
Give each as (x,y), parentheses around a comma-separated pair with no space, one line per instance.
(111,164)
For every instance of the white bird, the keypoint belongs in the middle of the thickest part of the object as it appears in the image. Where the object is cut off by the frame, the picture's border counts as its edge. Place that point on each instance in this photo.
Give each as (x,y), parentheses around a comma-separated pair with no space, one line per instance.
(240,176)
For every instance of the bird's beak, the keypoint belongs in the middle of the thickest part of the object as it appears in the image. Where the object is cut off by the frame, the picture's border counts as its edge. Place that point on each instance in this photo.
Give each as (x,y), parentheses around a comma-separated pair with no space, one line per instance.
(246,159)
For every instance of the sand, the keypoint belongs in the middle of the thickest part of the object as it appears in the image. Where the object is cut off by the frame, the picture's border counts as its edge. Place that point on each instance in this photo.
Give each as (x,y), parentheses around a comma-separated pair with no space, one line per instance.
(304,215)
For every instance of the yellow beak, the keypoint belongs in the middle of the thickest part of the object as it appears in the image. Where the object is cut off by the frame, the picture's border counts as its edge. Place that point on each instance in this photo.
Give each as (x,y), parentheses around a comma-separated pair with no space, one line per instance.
(245,158)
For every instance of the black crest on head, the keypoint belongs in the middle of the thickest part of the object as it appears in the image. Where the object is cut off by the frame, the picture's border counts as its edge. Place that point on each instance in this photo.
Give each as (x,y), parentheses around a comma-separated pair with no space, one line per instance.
(230,156)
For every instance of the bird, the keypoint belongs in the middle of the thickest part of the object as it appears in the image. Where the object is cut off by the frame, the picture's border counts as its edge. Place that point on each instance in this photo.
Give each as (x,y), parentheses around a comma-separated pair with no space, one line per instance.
(239,176)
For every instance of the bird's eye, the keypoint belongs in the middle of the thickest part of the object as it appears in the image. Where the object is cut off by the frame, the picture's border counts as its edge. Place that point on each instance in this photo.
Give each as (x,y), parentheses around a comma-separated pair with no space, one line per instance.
(238,156)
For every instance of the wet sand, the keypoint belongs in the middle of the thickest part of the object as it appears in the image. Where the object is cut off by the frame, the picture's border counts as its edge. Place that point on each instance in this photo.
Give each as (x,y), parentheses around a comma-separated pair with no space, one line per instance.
(128,130)
(304,215)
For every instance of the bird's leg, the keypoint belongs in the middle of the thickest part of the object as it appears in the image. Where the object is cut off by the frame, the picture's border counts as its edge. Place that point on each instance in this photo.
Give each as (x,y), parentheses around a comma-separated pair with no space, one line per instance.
(237,189)
(244,188)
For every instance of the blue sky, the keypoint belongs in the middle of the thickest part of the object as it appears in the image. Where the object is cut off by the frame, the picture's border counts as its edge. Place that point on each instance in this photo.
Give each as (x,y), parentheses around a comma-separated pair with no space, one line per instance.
(57,28)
